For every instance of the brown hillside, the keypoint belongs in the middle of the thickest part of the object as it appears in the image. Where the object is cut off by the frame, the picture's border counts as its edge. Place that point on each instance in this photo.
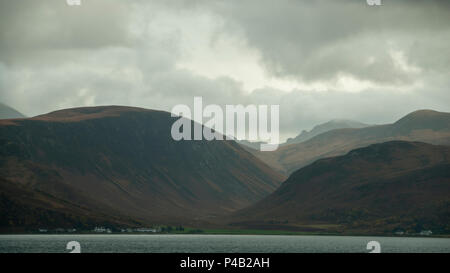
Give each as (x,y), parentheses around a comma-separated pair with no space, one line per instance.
(424,125)
(121,164)
(380,188)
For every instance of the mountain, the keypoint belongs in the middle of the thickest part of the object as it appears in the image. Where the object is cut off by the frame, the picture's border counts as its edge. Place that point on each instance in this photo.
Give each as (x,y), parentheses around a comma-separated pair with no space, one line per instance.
(325,127)
(424,125)
(7,112)
(119,165)
(381,188)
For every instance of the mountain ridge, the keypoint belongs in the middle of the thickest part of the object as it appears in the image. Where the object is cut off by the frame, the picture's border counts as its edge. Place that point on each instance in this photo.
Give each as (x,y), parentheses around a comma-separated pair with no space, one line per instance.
(381,188)
(424,125)
(325,127)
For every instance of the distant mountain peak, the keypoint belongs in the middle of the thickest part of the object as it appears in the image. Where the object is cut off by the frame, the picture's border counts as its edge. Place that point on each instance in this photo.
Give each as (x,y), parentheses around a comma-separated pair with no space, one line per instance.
(337,120)
(325,127)
(423,125)
(424,119)
(423,113)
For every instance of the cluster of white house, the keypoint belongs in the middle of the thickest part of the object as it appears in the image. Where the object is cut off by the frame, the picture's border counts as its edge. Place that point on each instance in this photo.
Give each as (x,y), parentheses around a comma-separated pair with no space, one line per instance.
(102,230)
(422,233)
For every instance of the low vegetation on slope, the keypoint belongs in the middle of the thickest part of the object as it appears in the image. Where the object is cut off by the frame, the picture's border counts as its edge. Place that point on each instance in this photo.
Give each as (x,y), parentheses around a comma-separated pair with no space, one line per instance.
(120,164)
(387,187)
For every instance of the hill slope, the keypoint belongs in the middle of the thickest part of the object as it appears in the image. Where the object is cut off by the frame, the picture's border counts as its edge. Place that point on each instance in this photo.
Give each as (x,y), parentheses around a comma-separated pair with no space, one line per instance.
(120,164)
(424,125)
(7,112)
(380,188)
(325,127)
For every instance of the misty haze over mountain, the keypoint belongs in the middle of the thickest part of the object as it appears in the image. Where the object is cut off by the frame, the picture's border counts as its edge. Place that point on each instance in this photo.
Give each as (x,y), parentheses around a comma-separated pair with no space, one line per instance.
(325,127)
(422,125)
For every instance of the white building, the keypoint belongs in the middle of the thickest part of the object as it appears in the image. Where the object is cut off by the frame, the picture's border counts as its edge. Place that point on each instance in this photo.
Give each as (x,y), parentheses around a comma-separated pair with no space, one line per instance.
(426,232)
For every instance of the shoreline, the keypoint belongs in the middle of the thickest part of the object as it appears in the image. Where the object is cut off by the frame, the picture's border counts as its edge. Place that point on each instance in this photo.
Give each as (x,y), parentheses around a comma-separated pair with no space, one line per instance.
(444,236)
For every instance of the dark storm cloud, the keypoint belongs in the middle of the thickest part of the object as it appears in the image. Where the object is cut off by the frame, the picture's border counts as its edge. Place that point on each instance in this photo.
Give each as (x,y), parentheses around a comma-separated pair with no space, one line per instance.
(314,40)
(396,56)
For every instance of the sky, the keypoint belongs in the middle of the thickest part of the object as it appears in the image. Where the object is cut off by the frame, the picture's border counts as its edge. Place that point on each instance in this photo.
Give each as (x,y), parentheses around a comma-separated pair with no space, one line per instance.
(318,60)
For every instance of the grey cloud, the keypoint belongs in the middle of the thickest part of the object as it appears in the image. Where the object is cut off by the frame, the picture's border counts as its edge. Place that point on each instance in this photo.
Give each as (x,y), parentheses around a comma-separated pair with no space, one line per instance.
(316,40)
(126,52)
(31,30)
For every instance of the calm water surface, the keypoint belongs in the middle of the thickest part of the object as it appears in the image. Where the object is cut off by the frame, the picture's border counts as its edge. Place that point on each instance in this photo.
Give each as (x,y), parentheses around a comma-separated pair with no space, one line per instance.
(217,243)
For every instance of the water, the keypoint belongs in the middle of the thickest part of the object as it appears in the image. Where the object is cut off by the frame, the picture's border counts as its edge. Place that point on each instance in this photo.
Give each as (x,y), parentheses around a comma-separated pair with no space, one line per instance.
(217,243)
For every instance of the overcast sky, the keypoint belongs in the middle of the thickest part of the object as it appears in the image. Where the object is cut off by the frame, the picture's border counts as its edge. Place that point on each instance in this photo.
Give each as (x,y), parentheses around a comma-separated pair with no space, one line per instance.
(319,60)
